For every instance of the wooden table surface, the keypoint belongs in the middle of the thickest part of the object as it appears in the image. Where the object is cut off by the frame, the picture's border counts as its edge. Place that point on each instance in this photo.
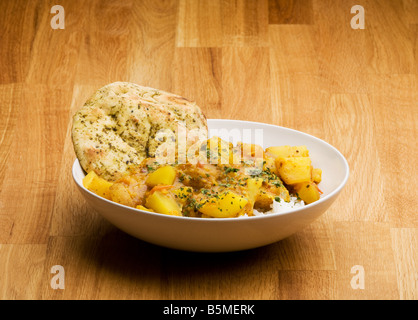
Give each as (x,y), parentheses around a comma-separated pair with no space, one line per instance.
(297,64)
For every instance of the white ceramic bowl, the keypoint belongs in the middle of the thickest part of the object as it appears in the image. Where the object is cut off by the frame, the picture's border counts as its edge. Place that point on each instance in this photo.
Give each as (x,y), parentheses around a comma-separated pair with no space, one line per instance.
(231,234)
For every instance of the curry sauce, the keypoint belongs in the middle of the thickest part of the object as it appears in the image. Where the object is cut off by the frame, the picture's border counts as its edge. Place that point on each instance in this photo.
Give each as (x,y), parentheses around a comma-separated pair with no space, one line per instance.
(224,189)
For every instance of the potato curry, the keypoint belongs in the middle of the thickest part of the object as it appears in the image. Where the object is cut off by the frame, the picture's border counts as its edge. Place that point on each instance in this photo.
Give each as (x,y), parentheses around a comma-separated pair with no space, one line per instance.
(239,180)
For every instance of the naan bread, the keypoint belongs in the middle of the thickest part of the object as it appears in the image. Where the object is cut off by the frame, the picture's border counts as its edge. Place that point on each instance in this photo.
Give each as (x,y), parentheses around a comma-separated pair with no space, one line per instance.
(116,128)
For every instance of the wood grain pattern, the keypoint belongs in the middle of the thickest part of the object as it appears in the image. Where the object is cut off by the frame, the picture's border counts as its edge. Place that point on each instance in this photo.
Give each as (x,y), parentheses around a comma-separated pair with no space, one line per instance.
(241,67)
(220,23)
(151,43)
(294,63)
(380,281)
(198,76)
(290,12)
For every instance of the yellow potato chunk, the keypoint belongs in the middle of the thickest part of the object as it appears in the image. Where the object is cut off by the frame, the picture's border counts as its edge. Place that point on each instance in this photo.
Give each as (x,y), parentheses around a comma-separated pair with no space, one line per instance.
(308,192)
(235,155)
(164,175)
(182,194)
(97,185)
(218,151)
(162,203)
(88,179)
(251,150)
(253,187)
(294,169)
(288,151)
(269,164)
(226,205)
(317,175)
(144,208)
(263,201)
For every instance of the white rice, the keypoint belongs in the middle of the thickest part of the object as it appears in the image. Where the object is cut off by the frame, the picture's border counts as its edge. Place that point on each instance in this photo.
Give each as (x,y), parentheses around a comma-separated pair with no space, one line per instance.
(281,207)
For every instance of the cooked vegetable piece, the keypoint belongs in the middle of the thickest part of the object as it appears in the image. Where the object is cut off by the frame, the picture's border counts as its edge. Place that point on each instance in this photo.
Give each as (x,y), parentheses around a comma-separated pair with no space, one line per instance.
(253,186)
(129,190)
(249,150)
(182,194)
(235,155)
(294,169)
(88,179)
(162,203)
(119,193)
(161,187)
(316,175)
(97,185)
(226,205)
(263,201)
(218,151)
(269,164)
(288,151)
(144,208)
(308,192)
(164,175)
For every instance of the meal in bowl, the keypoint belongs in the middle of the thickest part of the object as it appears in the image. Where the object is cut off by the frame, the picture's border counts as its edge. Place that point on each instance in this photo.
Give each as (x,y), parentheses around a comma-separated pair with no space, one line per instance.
(215,180)
(223,188)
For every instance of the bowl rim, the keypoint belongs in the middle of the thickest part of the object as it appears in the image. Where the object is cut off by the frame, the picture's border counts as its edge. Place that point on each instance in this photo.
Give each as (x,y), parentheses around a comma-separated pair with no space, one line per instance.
(235,219)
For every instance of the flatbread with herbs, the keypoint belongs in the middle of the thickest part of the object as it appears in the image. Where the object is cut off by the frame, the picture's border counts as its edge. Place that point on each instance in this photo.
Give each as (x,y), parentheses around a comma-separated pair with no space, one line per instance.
(116,128)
